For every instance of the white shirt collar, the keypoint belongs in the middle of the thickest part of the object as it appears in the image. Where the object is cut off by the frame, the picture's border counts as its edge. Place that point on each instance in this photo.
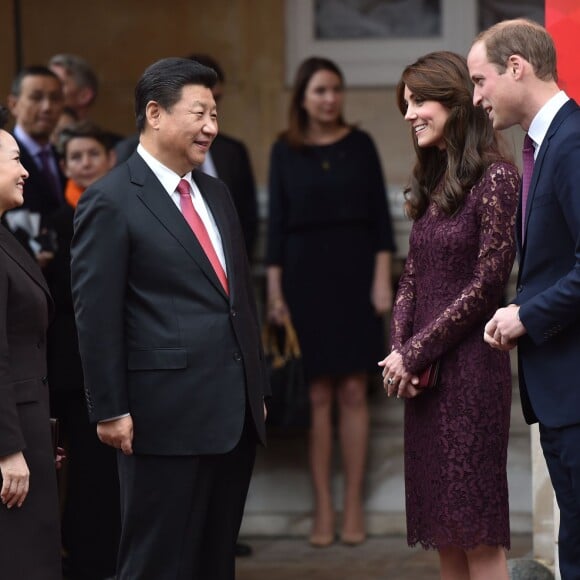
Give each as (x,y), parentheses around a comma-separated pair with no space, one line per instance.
(168,178)
(544,117)
(33,147)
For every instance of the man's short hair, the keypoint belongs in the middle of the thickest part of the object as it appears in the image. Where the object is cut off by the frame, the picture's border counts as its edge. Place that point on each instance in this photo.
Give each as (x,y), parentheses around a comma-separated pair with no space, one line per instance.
(79,69)
(30,71)
(163,82)
(524,37)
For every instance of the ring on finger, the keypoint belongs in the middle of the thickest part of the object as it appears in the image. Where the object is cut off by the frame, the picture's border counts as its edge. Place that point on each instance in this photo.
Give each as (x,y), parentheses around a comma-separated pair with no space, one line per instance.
(390,381)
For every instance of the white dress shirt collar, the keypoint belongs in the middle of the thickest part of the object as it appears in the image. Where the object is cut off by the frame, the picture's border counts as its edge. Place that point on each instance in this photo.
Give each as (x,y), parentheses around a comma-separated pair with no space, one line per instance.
(544,117)
(169,180)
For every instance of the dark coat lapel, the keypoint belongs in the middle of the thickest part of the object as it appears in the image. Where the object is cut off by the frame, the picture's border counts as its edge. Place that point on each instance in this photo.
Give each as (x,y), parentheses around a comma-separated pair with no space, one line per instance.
(24,260)
(153,195)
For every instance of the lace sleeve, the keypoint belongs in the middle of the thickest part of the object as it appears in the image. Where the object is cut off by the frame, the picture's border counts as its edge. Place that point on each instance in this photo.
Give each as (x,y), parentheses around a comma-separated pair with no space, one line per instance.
(497,192)
(404,305)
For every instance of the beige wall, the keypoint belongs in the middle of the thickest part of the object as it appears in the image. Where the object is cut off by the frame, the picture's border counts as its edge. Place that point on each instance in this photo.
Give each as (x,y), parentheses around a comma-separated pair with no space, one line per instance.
(121,37)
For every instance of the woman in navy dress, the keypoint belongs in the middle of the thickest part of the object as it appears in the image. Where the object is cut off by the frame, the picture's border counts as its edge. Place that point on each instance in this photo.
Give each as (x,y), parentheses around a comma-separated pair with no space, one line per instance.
(329,259)
(462,198)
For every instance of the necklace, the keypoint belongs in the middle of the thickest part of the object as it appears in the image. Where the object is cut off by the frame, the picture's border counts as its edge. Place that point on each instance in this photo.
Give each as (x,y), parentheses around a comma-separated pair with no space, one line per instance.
(325,151)
(322,156)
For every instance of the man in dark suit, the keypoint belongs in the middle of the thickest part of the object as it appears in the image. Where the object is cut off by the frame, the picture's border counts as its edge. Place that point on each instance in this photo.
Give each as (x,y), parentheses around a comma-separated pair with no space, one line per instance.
(513,67)
(169,336)
(228,159)
(36,102)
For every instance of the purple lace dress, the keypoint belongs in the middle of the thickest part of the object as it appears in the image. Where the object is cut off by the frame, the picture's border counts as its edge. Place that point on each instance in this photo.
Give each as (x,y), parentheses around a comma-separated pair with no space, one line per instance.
(456,434)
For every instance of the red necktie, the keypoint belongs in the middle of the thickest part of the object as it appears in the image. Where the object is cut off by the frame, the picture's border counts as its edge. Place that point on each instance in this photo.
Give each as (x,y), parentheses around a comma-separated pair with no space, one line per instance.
(528,169)
(200,231)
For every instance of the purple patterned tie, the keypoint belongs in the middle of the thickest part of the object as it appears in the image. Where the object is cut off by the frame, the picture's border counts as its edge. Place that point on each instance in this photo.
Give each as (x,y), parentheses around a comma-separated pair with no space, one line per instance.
(528,169)
(51,179)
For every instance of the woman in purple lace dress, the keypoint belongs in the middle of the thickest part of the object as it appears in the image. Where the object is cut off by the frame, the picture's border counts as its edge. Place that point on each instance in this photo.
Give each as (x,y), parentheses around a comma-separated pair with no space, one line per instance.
(462,198)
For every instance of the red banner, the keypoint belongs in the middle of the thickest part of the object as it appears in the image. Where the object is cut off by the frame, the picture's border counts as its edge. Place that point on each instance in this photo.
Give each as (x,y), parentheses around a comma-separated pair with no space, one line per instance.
(563,23)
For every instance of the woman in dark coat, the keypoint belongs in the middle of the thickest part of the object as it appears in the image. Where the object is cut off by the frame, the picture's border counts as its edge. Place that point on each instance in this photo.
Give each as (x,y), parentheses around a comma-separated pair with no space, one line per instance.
(29,519)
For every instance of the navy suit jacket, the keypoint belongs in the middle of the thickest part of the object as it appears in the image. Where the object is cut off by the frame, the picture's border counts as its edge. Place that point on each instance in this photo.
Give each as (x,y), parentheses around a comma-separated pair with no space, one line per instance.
(548,287)
(158,336)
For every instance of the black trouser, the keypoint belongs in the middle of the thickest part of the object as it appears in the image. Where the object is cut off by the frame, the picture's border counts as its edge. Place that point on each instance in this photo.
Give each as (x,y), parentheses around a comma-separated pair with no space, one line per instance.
(562,452)
(181,515)
(91,512)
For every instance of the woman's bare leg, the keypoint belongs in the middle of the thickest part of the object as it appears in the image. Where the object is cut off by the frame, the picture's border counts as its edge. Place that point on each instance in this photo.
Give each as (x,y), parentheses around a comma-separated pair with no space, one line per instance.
(320,453)
(487,562)
(453,564)
(354,434)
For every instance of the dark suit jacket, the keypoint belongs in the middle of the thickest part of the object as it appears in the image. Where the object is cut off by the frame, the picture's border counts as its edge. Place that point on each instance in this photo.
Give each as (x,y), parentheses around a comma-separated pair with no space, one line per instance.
(158,336)
(30,535)
(23,322)
(38,197)
(549,278)
(64,362)
(233,167)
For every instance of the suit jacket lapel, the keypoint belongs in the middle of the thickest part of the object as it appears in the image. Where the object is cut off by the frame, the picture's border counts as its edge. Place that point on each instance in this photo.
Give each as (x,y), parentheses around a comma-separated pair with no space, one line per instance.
(561,115)
(24,260)
(154,196)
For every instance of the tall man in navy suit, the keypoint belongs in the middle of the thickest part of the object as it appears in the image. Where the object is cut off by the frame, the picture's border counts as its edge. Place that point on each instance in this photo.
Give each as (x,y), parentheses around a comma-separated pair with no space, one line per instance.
(169,335)
(513,67)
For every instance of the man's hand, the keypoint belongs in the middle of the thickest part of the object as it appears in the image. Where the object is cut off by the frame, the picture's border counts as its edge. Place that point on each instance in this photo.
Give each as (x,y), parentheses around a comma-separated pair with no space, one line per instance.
(15,479)
(117,433)
(60,457)
(265,411)
(504,329)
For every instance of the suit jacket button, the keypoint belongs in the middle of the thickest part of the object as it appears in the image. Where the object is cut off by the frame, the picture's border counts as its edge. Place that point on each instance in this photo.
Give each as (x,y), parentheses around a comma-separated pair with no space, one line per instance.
(237,356)
(519,288)
(233,313)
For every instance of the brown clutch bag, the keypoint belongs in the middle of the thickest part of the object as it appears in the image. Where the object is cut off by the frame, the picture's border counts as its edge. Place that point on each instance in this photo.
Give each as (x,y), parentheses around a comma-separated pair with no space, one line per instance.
(430,376)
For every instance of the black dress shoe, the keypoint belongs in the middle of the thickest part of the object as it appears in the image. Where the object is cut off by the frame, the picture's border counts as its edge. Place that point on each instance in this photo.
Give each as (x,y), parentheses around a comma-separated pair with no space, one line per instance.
(243,550)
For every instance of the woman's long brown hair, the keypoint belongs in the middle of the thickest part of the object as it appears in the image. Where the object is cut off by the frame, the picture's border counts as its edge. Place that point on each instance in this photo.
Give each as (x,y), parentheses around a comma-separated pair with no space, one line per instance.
(471,144)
